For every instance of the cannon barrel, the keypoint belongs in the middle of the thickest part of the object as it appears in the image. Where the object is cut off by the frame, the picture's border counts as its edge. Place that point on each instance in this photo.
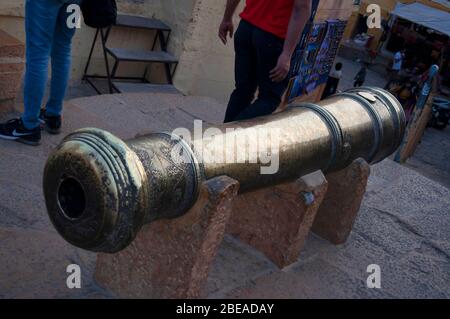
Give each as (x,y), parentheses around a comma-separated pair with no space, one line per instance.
(100,191)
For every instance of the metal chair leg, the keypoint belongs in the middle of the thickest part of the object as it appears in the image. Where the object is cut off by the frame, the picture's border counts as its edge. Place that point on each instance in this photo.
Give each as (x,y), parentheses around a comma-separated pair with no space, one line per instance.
(114,70)
(105,55)
(163,44)
(90,55)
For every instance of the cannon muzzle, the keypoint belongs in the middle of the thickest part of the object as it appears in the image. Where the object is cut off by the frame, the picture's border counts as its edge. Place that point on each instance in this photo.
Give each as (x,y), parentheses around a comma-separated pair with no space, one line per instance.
(100,190)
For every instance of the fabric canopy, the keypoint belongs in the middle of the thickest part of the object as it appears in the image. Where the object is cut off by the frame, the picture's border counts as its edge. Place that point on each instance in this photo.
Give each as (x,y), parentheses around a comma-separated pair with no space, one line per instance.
(418,13)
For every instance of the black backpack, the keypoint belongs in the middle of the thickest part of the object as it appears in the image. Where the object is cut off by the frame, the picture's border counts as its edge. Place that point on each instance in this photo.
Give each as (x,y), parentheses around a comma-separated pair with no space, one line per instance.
(99,13)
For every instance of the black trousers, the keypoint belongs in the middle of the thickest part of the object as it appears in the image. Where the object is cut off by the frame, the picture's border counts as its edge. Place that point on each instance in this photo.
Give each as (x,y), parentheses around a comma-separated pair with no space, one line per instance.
(358,83)
(331,87)
(257,53)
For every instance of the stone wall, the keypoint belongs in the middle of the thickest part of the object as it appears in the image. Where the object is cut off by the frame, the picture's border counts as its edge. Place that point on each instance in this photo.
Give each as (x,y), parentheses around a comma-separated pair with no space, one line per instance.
(11,69)
(176,13)
(206,65)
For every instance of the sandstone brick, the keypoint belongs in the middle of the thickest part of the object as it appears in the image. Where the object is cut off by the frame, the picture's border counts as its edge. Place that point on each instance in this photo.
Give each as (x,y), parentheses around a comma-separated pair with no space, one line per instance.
(11,64)
(338,212)
(10,46)
(9,85)
(276,220)
(6,106)
(171,258)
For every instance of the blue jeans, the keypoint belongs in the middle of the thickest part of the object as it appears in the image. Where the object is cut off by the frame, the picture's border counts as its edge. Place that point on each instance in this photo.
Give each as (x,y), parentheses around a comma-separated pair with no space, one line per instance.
(47,35)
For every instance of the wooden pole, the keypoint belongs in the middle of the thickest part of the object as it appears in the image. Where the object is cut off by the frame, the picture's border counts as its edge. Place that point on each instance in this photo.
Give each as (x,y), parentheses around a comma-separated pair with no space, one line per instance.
(419,119)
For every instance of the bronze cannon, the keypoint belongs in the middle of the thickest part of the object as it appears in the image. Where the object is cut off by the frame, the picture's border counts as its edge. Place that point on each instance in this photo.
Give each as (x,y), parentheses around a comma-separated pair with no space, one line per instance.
(100,191)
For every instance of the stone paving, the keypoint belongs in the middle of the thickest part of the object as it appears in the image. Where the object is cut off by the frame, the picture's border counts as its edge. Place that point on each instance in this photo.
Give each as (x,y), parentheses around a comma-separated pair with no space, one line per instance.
(403,225)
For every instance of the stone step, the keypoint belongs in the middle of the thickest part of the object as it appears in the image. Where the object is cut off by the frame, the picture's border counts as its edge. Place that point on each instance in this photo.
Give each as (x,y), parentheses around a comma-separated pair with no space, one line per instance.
(136,55)
(130,21)
(135,113)
(34,266)
(132,87)
(18,166)
(23,204)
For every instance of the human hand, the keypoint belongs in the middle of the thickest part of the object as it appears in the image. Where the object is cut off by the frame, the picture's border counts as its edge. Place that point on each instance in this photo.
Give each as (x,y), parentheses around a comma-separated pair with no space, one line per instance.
(281,71)
(226,27)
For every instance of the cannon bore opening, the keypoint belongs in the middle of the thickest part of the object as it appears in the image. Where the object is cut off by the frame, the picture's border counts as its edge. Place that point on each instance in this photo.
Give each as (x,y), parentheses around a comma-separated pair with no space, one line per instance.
(71,198)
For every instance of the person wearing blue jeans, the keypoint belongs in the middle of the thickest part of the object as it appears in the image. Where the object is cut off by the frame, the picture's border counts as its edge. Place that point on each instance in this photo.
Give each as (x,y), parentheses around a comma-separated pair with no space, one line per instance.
(48,35)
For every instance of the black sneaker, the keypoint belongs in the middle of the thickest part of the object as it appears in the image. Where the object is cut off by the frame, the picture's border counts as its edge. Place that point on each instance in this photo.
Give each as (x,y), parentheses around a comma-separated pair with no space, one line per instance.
(14,130)
(51,124)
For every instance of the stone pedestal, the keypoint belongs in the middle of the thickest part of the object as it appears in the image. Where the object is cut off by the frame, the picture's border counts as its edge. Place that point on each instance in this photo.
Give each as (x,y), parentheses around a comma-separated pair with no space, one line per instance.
(12,62)
(337,214)
(171,258)
(276,220)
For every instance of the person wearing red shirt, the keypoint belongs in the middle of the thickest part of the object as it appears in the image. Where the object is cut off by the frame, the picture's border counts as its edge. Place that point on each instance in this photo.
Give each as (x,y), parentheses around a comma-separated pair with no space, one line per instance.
(264,43)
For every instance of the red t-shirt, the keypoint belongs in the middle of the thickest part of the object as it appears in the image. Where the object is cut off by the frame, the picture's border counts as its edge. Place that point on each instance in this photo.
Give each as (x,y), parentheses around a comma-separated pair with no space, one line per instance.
(269,15)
